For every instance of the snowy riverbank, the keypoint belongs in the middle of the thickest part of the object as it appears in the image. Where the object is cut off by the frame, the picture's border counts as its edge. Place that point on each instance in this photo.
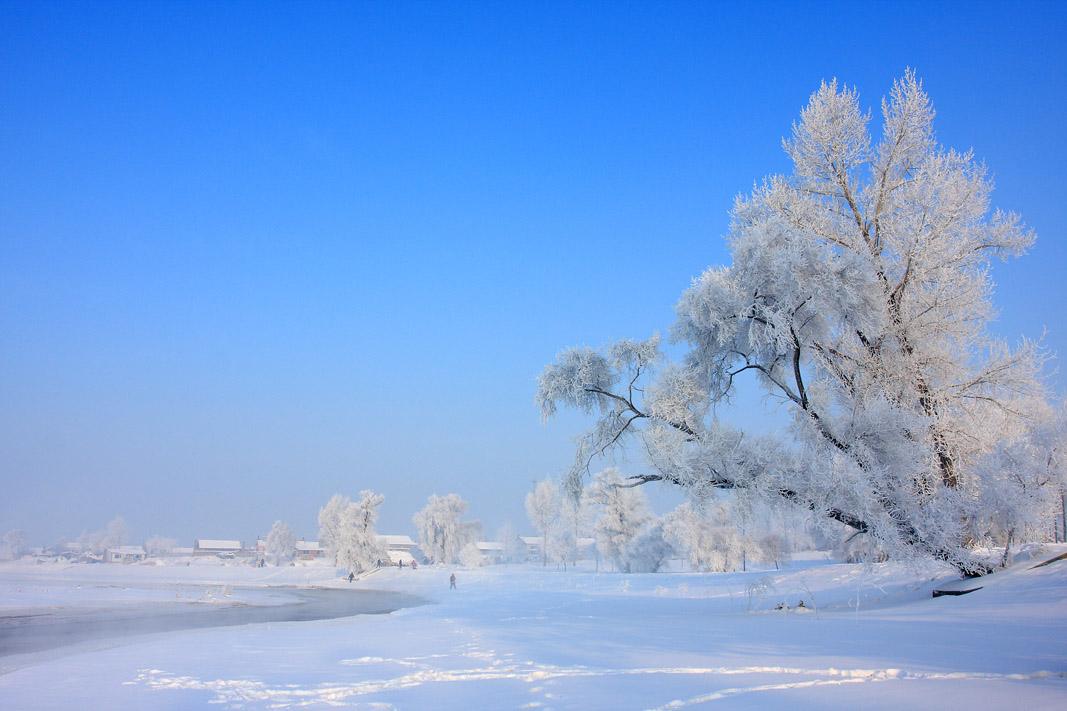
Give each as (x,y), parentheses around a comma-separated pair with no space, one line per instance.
(523,637)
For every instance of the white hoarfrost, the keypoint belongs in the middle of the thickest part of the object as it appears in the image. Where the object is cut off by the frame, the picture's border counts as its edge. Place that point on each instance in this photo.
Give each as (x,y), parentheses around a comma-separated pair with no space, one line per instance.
(280,544)
(346,530)
(621,512)
(442,535)
(859,295)
(543,509)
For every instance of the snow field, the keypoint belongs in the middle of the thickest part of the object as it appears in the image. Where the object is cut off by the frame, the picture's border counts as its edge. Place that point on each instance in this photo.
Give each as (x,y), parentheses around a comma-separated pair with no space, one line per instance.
(523,637)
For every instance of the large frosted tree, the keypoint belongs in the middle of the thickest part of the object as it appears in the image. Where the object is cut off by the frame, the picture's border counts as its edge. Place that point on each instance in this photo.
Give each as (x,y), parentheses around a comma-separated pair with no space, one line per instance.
(858,295)
(346,530)
(442,535)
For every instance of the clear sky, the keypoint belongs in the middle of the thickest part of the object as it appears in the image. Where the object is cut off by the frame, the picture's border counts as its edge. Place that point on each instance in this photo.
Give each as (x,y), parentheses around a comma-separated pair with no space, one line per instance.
(252,255)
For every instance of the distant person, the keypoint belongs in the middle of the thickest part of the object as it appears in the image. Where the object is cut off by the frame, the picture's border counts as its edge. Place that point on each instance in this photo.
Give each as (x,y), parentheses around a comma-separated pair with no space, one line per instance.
(401,563)
(414,564)
(379,564)
(351,577)
(452,582)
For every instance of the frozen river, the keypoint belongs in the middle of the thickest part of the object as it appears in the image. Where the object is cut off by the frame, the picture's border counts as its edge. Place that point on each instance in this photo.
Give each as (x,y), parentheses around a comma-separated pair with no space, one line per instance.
(44,629)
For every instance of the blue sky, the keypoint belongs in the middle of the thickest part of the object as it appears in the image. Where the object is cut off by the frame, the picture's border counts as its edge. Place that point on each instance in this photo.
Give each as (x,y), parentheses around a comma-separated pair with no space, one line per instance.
(255,254)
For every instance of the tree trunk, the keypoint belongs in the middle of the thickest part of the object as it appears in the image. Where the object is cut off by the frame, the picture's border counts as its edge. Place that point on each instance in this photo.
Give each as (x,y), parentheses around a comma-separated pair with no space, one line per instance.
(1063,513)
(1007,549)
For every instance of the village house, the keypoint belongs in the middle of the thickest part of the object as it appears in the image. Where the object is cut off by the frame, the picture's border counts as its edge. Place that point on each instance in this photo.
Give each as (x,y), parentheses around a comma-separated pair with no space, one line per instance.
(125,554)
(533,546)
(492,552)
(216,547)
(401,548)
(308,550)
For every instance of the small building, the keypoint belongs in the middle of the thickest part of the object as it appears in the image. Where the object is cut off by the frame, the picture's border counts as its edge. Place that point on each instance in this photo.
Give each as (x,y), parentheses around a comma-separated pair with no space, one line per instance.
(401,548)
(308,550)
(217,547)
(125,554)
(492,552)
(533,546)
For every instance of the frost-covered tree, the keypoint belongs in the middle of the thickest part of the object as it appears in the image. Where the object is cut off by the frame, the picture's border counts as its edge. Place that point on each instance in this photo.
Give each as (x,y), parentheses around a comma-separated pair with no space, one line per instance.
(1024,483)
(772,548)
(560,545)
(513,550)
(346,530)
(859,295)
(281,543)
(621,512)
(441,533)
(543,510)
(707,535)
(12,544)
(357,547)
(159,546)
(648,551)
(330,520)
(470,556)
(112,535)
(575,516)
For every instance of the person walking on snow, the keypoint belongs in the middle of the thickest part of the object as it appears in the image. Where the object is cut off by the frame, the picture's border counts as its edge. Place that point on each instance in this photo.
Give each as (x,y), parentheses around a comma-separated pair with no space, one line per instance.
(452,582)
(351,577)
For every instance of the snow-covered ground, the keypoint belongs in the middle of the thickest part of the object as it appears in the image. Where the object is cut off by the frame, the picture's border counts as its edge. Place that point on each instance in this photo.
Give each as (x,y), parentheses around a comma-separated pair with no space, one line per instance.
(523,637)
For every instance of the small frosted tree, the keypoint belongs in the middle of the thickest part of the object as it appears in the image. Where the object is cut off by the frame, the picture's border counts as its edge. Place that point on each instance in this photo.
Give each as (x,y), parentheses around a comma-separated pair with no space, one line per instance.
(470,556)
(512,549)
(858,294)
(112,535)
(648,551)
(622,512)
(560,544)
(543,510)
(12,544)
(772,548)
(441,533)
(281,543)
(707,535)
(157,546)
(1024,478)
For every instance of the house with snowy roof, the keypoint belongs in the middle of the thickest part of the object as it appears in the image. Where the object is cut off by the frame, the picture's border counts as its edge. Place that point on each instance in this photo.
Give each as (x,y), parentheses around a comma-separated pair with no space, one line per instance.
(308,550)
(125,554)
(217,547)
(401,548)
(492,551)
